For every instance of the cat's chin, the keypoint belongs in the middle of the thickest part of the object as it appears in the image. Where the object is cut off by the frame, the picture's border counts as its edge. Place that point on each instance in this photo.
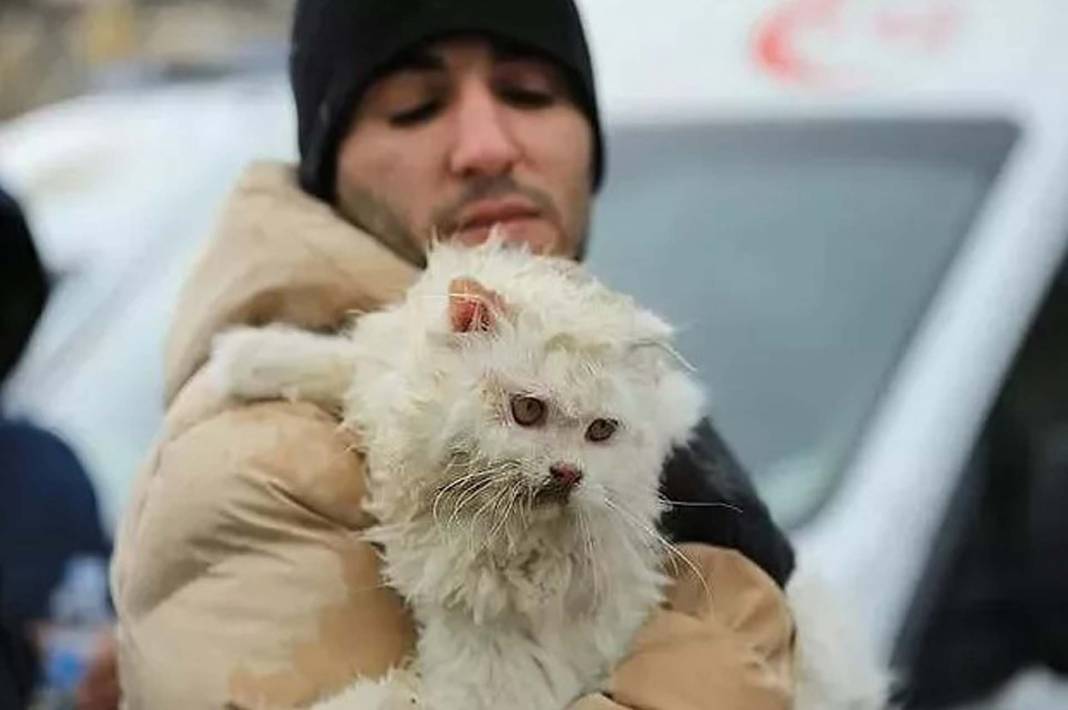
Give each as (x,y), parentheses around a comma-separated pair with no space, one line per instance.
(552,497)
(554,522)
(552,511)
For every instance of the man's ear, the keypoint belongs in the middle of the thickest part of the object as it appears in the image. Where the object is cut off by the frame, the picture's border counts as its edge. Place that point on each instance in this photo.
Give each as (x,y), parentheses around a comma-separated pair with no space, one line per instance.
(473,307)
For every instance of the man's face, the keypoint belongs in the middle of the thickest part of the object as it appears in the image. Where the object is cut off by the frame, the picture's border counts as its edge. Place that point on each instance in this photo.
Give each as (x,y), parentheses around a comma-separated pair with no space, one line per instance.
(459,136)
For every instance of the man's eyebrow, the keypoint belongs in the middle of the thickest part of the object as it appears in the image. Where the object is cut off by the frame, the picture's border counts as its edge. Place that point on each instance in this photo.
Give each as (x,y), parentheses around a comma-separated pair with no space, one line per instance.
(418,60)
(507,51)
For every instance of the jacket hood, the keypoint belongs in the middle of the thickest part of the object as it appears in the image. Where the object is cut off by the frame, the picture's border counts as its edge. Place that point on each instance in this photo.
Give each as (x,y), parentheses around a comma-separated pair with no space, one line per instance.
(278,255)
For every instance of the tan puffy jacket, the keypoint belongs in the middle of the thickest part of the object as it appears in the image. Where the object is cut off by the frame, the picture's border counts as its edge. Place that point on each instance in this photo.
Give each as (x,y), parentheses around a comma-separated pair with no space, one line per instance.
(240,578)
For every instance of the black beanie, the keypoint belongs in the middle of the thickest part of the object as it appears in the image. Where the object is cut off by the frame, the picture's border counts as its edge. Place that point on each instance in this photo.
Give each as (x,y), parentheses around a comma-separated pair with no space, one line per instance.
(340,45)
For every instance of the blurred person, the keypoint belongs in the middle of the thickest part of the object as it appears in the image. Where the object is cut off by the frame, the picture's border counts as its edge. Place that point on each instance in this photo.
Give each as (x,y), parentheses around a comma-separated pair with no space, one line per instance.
(16,666)
(997,603)
(49,515)
(240,577)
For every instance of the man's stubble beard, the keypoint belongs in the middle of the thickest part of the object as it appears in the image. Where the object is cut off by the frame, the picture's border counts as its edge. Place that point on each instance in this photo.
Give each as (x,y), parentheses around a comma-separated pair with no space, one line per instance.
(366,211)
(362,208)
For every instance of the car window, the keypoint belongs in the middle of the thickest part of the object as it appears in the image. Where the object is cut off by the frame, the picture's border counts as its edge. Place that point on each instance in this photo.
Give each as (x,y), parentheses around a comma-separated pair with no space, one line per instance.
(796,258)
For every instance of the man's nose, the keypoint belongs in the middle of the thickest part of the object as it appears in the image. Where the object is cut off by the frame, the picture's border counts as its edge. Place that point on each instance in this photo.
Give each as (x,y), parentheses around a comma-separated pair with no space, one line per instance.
(484,143)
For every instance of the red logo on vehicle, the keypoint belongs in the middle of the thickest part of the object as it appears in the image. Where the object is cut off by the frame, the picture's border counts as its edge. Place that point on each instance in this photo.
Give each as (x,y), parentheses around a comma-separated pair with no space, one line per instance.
(848,43)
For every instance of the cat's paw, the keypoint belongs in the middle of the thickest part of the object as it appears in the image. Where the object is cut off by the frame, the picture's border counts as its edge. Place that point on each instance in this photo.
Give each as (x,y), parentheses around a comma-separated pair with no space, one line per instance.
(280,362)
(234,366)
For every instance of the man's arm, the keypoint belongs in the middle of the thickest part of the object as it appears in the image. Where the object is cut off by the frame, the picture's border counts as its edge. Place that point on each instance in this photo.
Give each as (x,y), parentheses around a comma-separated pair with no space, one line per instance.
(724,639)
(240,575)
(705,472)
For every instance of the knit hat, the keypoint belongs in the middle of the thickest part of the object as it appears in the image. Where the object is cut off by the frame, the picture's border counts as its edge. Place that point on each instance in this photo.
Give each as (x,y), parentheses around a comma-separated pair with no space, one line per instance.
(339,46)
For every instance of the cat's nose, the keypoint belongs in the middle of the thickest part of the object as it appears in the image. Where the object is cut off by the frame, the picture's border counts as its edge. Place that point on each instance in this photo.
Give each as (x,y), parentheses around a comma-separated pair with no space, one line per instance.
(565,475)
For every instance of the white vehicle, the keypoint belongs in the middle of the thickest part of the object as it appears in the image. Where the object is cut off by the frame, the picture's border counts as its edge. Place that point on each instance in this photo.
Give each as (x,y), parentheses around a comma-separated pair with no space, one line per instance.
(855,208)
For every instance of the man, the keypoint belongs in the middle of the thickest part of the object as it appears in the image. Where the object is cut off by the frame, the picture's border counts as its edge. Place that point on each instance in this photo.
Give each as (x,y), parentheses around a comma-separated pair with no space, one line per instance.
(239,575)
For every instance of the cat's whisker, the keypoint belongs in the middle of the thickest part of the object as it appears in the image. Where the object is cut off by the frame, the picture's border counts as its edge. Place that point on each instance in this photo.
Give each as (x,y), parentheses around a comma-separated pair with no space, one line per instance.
(667,546)
(666,348)
(591,559)
(469,494)
(369,589)
(435,505)
(490,504)
(516,526)
(490,510)
(492,499)
(651,544)
(700,504)
(495,513)
(514,486)
(525,503)
(517,493)
(443,491)
(455,483)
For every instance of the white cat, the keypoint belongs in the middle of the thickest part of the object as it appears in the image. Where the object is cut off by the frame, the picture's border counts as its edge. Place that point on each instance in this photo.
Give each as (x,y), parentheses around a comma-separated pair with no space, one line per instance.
(515,415)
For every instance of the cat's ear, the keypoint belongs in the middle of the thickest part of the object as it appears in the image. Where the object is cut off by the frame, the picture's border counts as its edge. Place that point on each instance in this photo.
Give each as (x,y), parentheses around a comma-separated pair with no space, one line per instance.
(653,354)
(649,349)
(473,307)
(677,400)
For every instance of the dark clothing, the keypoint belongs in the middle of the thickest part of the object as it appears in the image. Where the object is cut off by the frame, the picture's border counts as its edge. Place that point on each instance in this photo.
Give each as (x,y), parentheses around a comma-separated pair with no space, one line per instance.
(995,598)
(48,514)
(729,512)
(23,288)
(340,46)
(17,667)
(1002,605)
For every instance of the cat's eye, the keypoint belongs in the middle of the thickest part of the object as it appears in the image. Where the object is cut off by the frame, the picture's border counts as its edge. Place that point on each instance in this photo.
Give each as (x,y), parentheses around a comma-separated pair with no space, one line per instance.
(601,430)
(527,411)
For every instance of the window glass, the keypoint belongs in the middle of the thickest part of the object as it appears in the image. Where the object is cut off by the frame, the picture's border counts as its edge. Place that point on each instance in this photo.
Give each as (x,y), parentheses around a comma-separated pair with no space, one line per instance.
(796,258)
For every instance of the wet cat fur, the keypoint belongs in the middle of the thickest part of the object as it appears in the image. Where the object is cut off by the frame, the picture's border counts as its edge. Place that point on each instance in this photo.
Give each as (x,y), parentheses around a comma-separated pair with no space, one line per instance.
(527,586)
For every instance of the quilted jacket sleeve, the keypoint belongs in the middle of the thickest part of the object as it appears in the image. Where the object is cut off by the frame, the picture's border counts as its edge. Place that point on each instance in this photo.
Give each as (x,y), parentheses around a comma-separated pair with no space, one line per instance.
(722,641)
(239,578)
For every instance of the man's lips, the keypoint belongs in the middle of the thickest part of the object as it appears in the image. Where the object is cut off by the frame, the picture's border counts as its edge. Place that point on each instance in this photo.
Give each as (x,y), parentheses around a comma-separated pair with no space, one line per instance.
(486,213)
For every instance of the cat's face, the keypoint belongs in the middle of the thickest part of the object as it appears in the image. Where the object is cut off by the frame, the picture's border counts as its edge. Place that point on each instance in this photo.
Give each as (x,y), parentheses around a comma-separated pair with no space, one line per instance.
(552,432)
(536,419)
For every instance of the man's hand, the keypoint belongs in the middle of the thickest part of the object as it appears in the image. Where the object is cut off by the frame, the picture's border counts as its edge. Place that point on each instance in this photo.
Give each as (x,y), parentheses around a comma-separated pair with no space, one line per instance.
(99,689)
